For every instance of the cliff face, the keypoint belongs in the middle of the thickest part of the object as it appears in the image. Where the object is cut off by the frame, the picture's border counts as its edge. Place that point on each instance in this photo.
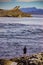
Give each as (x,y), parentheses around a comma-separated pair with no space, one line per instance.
(15,12)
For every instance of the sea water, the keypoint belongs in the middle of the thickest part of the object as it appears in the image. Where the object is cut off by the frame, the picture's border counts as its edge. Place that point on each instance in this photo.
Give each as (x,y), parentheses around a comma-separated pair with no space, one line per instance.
(15,33)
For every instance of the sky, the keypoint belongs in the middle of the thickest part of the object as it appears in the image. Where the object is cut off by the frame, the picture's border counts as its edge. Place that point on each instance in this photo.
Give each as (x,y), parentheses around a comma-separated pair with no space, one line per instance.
(10,4)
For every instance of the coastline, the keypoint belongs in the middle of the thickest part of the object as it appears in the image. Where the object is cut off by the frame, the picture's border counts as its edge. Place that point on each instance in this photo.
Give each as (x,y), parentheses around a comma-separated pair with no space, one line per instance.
(35,59)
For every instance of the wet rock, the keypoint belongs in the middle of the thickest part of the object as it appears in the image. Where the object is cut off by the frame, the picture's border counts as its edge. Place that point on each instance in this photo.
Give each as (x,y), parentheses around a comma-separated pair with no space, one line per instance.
(35,59)
(7,62)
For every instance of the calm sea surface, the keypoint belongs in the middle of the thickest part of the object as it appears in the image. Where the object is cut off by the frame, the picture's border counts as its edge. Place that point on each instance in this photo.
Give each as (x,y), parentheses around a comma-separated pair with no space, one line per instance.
(15,33)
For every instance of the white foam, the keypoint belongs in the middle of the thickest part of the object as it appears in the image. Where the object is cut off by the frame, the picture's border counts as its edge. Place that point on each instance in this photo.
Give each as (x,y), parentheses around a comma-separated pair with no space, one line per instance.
(36,21)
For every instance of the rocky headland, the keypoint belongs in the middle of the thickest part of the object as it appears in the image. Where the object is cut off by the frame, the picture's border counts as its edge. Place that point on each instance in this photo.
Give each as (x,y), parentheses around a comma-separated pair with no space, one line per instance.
(15,12)
(35,59)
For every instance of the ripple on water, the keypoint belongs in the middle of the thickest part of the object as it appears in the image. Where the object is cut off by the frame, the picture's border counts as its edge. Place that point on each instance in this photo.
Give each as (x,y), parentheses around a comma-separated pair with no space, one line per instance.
(13,37)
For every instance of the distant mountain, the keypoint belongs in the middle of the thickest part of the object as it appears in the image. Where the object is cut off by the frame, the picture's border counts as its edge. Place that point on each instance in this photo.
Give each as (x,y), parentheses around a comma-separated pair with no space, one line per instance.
(32,10)
(15,12)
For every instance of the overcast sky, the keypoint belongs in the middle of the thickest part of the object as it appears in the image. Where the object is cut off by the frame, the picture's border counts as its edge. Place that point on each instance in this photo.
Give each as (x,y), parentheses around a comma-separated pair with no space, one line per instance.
(19,0)
(8,4)
(5,0)
(28,0)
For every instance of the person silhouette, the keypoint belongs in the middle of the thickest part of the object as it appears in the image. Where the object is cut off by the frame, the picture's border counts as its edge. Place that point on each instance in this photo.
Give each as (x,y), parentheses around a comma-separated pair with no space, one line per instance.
(24,50)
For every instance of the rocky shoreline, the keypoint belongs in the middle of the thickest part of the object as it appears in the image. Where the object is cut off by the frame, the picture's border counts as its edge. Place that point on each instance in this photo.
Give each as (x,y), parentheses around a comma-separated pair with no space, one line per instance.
(35,59)
(15,12)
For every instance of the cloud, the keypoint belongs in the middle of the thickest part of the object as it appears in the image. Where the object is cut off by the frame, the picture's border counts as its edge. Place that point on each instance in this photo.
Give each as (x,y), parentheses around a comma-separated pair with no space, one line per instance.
(5,0)
(28,0)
